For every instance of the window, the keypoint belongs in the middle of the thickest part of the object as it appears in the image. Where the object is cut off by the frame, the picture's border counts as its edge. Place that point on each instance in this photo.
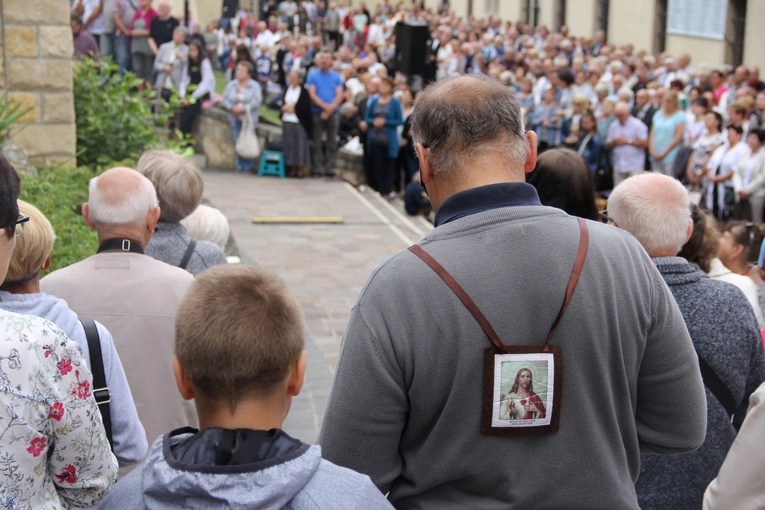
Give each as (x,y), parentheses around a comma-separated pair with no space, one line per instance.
(530,12)
(603,16)
(560,14)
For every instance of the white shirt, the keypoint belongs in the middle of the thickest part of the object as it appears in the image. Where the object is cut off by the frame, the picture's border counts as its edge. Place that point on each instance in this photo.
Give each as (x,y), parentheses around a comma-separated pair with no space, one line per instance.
(264,38)
(741,481)
(291,97)
(355,86)
(718,271)
(95,28)
(727,159)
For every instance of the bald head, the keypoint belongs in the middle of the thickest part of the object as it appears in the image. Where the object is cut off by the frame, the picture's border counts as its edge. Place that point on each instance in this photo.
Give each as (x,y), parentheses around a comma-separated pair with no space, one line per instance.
(457,116)
(656,210)
(163,8)
(622,112)
(120,196)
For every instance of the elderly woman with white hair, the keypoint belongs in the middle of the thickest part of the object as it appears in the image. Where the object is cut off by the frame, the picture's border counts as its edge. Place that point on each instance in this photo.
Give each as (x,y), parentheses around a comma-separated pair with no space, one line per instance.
(208,224)
(179,188)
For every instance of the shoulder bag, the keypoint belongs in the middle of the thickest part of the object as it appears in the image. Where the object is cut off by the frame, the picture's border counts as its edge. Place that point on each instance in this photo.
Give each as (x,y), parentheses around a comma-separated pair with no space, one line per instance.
(100,389)
(247,144)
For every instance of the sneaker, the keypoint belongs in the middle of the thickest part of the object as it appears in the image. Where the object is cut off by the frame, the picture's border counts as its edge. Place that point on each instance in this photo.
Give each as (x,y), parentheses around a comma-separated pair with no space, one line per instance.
(362,188)
(392,195)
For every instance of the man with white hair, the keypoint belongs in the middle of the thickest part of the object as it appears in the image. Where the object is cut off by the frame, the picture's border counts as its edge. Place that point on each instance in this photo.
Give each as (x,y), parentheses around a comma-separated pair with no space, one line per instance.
(627,138)
(163,26)
(656,209)
(418,399)
(132,294)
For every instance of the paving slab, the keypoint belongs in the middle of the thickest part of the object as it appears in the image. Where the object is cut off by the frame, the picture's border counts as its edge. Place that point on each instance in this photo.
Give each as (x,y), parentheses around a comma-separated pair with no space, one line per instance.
(324,265)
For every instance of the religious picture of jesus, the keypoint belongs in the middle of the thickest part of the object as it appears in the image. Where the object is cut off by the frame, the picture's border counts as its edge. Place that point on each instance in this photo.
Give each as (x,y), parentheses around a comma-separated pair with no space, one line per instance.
(521,403)
(523,390)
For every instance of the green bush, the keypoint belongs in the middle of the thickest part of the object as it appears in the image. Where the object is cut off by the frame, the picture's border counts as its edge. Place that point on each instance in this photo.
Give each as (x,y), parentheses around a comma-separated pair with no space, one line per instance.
(114,119)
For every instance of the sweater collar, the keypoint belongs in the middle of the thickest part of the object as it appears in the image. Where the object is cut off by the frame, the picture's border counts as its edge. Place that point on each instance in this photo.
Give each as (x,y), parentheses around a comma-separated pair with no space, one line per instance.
(484,198)
(677,270)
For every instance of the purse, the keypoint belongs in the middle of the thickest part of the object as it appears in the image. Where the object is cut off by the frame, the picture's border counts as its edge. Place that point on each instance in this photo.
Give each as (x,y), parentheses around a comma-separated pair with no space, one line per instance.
(247,144)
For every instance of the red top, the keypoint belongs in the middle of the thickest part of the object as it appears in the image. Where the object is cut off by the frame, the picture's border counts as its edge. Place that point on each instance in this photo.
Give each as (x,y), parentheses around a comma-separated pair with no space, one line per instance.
(147,16)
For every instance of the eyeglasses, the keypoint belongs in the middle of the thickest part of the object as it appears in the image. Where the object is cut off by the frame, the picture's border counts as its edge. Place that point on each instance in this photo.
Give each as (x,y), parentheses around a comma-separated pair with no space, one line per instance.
(606,218)
(17,227)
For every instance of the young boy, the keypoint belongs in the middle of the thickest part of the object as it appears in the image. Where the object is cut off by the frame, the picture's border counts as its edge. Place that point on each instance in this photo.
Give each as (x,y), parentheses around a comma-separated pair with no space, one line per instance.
(239,354)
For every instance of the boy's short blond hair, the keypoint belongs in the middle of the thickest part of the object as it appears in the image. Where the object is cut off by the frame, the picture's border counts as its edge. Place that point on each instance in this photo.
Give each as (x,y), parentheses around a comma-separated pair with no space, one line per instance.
(33,246)
(237,333)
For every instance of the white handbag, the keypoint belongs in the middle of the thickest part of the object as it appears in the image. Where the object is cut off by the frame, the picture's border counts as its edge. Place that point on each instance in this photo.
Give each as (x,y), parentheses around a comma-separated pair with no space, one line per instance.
(247,144)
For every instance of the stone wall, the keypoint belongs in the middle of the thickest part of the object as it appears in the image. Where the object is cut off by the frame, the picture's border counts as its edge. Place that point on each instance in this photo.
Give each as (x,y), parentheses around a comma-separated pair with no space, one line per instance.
(214,139)
(36,71)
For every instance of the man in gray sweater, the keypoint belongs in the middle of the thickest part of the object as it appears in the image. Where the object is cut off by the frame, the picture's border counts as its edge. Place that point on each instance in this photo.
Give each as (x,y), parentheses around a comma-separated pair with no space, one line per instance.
(722,327)
(409,401)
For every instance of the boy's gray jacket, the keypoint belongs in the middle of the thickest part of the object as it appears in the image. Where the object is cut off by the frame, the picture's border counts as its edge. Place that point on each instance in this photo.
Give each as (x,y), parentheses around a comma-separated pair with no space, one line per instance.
(296,480)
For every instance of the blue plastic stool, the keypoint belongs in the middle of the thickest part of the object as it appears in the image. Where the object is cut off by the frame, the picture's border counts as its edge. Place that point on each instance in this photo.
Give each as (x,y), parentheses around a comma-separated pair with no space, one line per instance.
(272,163)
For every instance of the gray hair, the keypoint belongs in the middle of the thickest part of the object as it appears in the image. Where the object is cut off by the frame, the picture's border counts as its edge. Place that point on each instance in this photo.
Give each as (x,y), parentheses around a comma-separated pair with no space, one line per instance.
(109,208)
(458,117)
(297,72)
(178,183)
(654,208)
(208,224)
(626,92)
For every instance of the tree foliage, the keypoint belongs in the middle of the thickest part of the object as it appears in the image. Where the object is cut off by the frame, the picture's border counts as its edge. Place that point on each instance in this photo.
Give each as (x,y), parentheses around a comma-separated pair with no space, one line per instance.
(115,118)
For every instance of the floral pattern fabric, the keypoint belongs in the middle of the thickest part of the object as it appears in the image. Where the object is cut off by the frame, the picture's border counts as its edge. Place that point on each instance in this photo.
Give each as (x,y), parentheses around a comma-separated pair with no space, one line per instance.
(53,449)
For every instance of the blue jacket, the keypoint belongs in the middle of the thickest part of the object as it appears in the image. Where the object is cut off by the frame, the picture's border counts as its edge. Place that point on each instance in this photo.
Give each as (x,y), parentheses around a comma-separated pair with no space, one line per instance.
(395,118)
(591,153)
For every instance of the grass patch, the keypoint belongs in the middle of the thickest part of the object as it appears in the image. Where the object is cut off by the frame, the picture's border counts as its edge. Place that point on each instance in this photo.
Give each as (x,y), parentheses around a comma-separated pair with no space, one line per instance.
(220,82)
(266,114)
(59,193)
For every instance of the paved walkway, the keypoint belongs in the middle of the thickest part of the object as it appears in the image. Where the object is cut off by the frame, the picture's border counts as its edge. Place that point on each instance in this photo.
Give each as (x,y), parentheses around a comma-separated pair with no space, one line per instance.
(324,265)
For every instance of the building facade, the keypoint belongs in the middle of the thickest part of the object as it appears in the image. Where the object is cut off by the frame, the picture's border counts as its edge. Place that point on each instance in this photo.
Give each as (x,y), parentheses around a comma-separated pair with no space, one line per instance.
(713,32)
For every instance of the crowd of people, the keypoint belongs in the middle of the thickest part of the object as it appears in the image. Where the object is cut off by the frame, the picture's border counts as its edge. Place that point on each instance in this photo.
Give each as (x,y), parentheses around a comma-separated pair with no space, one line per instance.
(438,390)
(330,69)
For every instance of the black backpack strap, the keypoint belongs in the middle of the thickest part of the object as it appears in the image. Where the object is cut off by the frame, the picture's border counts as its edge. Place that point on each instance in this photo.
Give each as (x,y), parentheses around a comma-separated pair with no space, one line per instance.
(717,387)
(187,255)
(100,389)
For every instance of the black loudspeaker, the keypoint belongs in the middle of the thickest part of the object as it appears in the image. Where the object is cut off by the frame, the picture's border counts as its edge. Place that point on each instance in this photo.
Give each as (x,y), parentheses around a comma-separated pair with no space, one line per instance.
(229,9)
(411,47)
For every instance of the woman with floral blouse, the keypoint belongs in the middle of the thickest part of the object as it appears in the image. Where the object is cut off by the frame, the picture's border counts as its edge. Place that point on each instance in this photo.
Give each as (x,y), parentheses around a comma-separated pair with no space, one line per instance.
(53,449)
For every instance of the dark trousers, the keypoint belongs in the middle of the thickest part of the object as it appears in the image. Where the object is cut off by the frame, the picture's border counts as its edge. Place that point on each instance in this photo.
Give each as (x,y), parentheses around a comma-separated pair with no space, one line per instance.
(382,167)
(335,38)
(369,173)
(188,115)
(325,129)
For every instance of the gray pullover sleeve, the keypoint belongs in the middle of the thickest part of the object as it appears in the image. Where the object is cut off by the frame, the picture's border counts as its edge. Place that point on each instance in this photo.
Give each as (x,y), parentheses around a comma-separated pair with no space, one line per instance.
(671,402)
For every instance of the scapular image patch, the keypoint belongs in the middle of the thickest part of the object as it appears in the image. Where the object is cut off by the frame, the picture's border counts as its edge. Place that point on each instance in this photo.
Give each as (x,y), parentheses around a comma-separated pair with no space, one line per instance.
(521,391)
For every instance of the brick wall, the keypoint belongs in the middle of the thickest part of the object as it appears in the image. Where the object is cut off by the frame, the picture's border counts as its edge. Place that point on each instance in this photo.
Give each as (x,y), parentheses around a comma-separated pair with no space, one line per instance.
(36,71)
